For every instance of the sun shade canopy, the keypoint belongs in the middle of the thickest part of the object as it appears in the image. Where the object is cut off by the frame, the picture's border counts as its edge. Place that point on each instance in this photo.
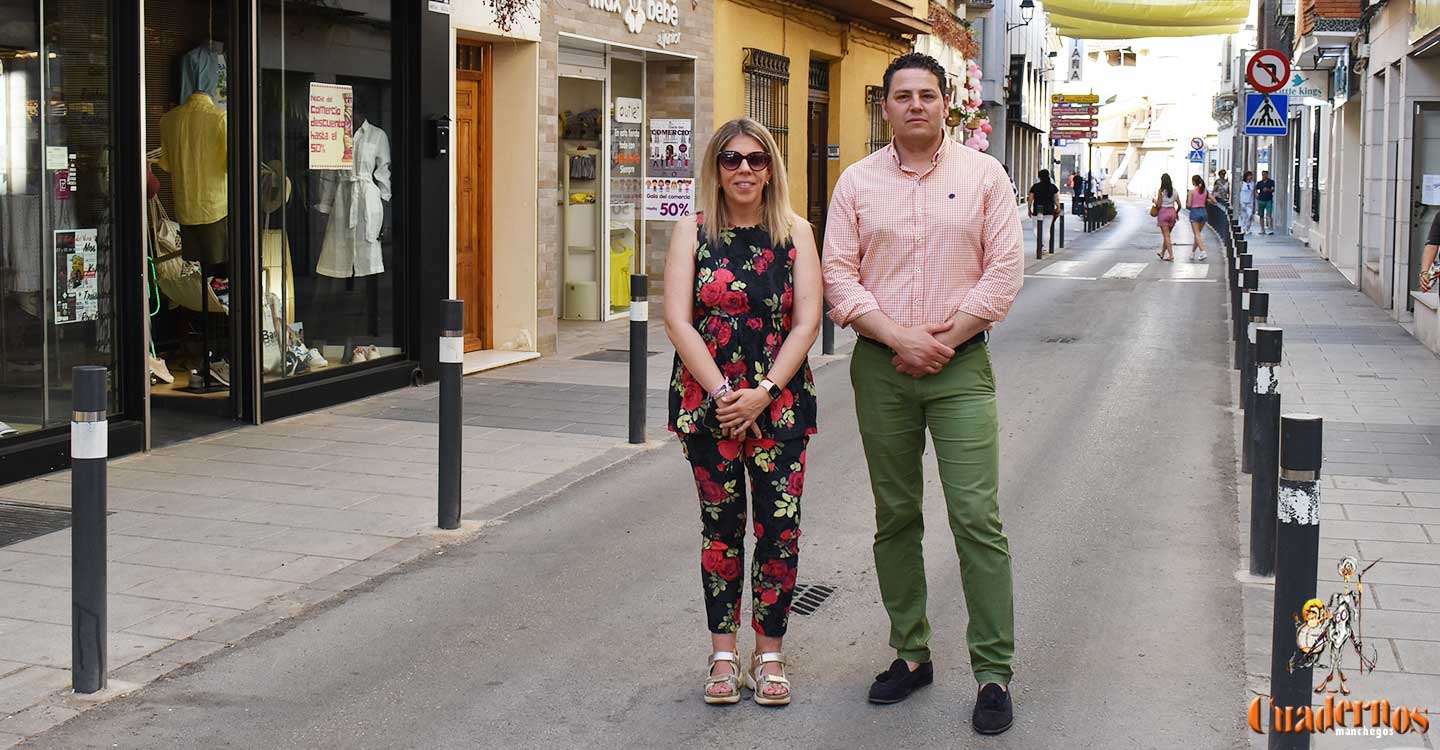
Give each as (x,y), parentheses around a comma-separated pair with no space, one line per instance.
(1134,19)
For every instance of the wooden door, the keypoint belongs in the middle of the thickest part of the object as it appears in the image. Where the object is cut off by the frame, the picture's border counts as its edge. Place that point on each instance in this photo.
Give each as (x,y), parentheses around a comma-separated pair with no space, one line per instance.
(473,272)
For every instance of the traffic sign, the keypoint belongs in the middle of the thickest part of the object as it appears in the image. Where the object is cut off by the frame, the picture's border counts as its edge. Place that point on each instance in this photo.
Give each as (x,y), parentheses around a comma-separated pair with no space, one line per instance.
(1265,114)
(1197,157)
(1197,144)
(1074,109)
(1074,98)
(1073,135)
(1056,124)
(1268,71)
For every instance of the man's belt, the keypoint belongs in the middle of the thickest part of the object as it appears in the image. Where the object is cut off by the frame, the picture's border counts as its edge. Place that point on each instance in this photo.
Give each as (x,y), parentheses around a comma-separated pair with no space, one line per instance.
(978,338)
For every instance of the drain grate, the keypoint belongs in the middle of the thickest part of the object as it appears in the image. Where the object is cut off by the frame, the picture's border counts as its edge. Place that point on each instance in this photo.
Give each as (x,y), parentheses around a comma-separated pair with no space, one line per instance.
(809,597)
(612,355)
(1277,271)
(1060,339)
(21,522)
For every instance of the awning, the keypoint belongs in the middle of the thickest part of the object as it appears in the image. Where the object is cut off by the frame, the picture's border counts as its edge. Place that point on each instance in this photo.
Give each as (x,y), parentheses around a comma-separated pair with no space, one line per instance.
(1153,12)
(1078,28)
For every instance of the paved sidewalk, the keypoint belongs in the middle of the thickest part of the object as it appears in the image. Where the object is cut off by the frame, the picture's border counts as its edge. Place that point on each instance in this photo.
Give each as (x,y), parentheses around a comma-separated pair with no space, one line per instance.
(1378,390)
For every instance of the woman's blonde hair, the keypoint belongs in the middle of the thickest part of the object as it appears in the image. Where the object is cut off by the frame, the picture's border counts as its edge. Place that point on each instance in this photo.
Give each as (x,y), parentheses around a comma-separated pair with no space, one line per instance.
(776,217)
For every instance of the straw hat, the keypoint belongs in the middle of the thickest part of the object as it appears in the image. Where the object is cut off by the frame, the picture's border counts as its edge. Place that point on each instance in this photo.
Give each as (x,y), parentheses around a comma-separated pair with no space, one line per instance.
(271,199)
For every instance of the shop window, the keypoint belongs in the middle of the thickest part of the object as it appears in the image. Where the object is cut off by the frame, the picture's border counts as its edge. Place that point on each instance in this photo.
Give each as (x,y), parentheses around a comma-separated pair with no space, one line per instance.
(57,260)
(879,128)
(331,291)
(767,99)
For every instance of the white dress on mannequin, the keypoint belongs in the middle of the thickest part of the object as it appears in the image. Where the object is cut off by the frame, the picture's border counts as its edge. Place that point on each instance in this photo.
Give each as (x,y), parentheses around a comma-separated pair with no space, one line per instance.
(355,200)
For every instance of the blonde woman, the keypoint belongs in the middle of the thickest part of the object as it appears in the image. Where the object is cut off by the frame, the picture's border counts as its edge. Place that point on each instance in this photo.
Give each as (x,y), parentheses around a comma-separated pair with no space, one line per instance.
(743,314)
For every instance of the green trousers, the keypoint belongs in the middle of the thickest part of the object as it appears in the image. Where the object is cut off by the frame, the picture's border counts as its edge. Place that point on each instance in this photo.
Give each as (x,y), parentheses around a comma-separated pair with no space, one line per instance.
(958,405)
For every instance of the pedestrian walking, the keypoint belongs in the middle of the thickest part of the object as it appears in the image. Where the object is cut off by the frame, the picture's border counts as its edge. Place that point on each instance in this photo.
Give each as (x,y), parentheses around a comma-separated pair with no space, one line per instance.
(742,398)
(1265,202)
(1247,201)
(1043,202)
(1166,210)
(942,248)
(1196,202)
(1428,267)
(1221,190)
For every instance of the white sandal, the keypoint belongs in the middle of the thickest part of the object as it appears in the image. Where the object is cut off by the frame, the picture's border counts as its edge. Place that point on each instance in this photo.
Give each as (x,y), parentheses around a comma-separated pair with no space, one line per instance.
(759,681)
(735,679)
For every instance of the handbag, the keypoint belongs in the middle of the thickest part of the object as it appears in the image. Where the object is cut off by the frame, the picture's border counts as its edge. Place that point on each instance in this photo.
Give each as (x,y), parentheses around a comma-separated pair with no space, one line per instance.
(1154,210)
(179,280)
(166,232)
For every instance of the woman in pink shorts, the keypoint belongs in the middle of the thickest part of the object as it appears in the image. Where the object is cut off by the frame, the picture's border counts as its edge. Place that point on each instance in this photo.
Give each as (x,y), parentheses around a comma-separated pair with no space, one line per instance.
(1167,205)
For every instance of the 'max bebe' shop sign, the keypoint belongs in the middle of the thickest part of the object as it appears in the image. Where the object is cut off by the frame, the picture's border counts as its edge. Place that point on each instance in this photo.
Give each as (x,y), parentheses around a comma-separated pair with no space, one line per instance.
(637,12)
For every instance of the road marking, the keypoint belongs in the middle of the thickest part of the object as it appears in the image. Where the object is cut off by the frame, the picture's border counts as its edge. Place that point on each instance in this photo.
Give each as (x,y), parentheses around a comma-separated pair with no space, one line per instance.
(1125,271)
(1192,281)
(1060,278)
(1060,268)
(1190,271)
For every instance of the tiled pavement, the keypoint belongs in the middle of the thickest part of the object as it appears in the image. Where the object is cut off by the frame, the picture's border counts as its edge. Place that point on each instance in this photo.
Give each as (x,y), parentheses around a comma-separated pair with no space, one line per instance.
(1378,390)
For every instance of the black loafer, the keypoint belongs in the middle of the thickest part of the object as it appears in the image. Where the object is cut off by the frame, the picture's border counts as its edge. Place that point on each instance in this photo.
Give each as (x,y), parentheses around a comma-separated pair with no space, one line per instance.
(897,683)
(994,712)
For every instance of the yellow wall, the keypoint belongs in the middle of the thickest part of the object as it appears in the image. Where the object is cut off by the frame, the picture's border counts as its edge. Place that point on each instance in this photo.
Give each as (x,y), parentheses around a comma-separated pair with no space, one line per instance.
(858,59)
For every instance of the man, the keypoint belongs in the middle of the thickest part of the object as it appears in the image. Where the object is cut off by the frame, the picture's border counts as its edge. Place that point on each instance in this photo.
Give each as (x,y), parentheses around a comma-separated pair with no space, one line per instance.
(1043,203)
(1265,202)
(942,250)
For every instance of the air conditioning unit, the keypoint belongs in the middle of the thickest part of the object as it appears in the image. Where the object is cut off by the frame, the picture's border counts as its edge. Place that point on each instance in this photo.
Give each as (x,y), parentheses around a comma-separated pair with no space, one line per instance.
(1362,50)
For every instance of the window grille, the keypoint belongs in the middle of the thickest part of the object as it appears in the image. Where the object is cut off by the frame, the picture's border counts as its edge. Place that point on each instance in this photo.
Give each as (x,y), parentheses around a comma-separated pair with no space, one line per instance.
(767,94)
(879,129)
(820,76)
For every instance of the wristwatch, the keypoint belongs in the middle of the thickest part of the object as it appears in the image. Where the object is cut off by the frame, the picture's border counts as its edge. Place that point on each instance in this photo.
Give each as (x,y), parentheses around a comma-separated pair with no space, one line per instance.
(770,388)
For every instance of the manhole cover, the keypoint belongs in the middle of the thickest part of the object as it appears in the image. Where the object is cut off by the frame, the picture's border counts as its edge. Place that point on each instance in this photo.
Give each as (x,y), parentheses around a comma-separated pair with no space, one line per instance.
(612,355)
(809,597)
(1061,339)
(21,522)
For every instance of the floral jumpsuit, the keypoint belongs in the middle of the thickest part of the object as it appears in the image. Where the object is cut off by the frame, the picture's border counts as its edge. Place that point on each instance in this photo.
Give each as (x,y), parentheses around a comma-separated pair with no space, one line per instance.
(744,290)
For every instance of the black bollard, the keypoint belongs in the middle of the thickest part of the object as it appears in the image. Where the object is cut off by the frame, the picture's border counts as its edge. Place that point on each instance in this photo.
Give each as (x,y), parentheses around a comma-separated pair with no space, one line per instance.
(1062,226)
(827,331)
(1039,237)
(1237,313)
(452,361)
(1264,449)
(1297,555)
(89,447)
(1257,311)
(639,330)
(1249,282)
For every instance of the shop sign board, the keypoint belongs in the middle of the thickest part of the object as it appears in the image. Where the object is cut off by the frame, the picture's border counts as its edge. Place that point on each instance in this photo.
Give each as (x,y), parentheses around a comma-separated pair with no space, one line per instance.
(76,282)
(1265,114)
(1074,98)
(625,149)
(636,12)
(668,199)
(628,109)
(670,149)
(1308,84)
(331,126)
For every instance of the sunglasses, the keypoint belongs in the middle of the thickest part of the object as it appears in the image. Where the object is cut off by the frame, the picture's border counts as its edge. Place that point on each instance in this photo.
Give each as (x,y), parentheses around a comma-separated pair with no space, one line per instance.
(757,160)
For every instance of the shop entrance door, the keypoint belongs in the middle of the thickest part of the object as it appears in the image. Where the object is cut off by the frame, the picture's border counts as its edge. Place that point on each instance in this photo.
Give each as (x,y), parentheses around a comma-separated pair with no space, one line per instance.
(1426,168)
(473,254)
(818,138)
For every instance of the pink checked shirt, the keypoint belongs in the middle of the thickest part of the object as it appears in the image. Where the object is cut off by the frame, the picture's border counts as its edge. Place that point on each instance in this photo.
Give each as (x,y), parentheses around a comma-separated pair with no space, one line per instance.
(919,247)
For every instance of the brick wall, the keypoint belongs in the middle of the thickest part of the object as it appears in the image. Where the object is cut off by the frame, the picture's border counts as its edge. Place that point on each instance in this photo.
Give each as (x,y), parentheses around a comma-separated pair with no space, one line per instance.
(673,95)
(1312,10)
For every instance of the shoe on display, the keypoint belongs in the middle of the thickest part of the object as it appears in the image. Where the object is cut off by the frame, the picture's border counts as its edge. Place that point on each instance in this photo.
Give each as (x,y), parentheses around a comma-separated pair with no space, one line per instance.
(159,370)
(6,430)
(372,352)
(316,359)
(359,354)
(220,372)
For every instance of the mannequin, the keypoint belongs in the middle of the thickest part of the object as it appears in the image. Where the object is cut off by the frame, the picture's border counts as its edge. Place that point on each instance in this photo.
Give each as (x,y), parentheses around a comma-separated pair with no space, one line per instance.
(355,200)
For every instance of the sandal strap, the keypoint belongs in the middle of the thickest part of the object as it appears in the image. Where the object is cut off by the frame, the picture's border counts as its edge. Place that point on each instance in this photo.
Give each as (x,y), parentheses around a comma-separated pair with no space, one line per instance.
(723,656)
(771,657)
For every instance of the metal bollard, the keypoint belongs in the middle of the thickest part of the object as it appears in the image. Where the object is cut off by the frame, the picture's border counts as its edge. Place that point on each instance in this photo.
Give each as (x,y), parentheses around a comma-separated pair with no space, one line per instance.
(639,329)
(1237,304)
(827,331)
(1264,448)
(452,359)
(1297,554)
(1039,238)
(89,447)
(1257,309)
(1062,226)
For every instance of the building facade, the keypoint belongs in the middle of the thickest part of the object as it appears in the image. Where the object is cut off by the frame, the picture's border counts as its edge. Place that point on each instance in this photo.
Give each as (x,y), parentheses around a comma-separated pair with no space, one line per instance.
(219,202)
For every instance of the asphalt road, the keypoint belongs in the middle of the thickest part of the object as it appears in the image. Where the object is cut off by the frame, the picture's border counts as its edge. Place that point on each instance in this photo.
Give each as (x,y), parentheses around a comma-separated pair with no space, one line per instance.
(578,623)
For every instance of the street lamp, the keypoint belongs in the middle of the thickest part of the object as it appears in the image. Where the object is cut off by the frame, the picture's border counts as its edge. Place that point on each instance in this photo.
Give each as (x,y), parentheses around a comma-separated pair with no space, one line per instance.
(1027,12)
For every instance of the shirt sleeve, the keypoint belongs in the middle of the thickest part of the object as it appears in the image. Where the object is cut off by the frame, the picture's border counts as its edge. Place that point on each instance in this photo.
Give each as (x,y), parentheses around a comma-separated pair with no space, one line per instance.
(848,298)
(1002,256)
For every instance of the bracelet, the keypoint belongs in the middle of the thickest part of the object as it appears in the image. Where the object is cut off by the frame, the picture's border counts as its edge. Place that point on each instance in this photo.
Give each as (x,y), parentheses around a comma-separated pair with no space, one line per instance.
(720,390)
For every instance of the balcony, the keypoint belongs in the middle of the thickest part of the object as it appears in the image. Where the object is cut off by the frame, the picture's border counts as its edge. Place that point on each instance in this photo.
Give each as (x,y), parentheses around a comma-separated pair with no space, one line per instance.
(1222,108)
(1323,30)
(893,16)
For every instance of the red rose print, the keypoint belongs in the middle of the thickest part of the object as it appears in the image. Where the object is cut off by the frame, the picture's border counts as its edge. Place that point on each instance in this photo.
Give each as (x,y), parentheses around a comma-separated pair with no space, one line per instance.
(761,264)
(724,276)
(755,324)
(769,596)
(702,474)
(773,340)
(763,444)
(796,484)
(735,303)
(713,492)
(775,569)
(792,253)
(693,397)
(759,531)
(722,335)
(733,370)
(729,569)
(787,299)
(712,348)
(730,449)
(779,405)
(713,544)
(789,582)
(710,560)
(711,294)
(785,534)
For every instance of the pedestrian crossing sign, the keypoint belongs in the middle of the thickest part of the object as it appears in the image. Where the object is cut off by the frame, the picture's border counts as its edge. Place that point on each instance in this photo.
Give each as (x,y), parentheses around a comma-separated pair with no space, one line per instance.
(1265,114)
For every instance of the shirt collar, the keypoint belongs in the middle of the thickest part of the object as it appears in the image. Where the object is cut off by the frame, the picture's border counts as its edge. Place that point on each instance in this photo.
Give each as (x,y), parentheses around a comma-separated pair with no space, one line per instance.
(934,161)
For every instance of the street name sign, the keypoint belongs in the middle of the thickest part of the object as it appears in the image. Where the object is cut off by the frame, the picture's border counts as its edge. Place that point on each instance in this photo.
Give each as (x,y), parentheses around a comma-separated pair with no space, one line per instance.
(1265,114)
(1073,135)
(1074,109)
(1074,98)
(1268,71)
(1058,123)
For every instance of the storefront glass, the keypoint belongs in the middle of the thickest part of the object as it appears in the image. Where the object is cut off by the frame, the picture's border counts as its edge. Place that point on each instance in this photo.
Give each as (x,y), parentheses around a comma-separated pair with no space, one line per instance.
(57,281)
(627,95)
(330,276)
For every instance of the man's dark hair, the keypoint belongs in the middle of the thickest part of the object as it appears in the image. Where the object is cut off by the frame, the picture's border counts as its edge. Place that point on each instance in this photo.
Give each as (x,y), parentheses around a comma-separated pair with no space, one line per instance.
(1044,175)
(917,61)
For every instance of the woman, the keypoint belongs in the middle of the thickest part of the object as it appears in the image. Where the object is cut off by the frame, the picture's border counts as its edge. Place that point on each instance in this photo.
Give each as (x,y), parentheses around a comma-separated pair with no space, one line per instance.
(1167,206)
(742,399)
(1247,201)
(1196,202)
(1221,189)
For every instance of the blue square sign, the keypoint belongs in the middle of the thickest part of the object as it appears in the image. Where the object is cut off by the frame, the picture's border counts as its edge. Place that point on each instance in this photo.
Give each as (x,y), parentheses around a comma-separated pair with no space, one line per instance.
(1266,114)
(1197,157)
